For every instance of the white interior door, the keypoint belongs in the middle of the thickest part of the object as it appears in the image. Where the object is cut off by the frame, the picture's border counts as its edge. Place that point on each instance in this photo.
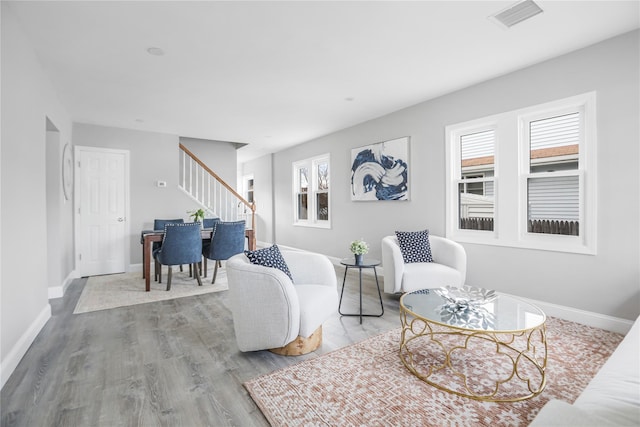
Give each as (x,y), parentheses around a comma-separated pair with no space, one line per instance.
(102,210)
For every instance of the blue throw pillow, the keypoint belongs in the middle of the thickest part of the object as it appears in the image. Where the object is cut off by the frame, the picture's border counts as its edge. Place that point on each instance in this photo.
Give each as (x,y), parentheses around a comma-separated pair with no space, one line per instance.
(415,246)
(269,257)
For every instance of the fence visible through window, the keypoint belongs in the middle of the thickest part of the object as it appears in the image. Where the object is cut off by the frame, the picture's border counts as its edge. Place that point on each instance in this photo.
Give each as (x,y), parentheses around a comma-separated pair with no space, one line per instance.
(543,226)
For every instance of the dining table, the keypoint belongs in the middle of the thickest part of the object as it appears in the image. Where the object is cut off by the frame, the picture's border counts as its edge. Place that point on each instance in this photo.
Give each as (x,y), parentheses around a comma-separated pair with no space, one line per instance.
(147,237)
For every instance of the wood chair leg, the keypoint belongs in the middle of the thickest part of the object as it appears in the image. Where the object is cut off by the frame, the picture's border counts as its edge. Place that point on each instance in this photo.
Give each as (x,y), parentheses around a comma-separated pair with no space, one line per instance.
(159,273)
(215,272)
(195,269)
(169,279)
(205,267)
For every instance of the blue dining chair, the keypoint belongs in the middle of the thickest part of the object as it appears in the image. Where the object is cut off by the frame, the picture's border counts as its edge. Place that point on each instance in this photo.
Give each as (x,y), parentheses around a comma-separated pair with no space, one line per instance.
(182,244)
(158,225)
(227,240)
(210,222)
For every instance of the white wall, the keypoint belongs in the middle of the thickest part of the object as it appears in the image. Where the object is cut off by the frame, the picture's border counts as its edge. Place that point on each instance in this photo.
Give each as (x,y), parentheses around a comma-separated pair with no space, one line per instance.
(60,244)
(28,99)
(219,156)
(608,283)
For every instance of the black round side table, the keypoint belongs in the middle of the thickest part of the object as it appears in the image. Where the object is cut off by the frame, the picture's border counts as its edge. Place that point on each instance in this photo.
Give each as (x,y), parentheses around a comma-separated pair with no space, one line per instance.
(366,263)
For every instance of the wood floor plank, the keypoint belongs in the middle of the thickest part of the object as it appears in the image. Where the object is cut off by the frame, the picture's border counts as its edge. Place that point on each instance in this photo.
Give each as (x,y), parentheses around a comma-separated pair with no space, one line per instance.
(170,363)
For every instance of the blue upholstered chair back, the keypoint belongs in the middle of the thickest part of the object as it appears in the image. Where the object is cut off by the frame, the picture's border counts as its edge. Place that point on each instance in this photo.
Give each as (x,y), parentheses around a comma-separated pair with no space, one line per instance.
(227,240)
(210,222)
(158,224)
(182,244)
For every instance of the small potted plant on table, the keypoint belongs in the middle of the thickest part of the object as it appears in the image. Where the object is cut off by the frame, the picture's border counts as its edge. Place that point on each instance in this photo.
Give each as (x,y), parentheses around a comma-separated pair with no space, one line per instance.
(359,248)
(197,215)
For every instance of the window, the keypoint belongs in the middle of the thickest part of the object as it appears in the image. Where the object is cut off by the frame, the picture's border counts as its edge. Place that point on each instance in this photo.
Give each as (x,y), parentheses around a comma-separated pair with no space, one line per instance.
(250,190)
(247,187)
(525,178)
(552,176)
(475,179)
(311,192)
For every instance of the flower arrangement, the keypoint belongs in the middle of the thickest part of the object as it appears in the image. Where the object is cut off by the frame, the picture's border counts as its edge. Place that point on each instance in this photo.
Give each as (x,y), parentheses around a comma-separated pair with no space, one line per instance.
(197,215)
(359,247)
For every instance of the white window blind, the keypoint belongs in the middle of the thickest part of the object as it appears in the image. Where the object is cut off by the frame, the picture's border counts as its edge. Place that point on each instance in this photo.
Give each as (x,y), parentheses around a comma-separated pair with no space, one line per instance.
(555,131)
(480,144)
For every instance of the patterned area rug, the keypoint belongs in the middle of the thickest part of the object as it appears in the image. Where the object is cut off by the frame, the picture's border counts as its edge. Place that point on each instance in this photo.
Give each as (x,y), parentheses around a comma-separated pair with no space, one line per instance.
(124,289)
(367,384)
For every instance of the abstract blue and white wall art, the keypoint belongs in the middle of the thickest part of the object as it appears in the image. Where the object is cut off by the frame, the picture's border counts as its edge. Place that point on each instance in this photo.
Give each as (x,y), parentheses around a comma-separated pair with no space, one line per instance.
(381,171)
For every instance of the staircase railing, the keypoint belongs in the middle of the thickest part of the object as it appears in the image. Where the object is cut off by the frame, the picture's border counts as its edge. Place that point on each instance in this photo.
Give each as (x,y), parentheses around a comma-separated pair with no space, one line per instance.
(212,192)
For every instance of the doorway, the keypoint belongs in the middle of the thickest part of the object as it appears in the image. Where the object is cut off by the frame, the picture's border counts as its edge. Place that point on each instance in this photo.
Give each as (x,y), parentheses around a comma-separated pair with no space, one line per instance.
(102,226)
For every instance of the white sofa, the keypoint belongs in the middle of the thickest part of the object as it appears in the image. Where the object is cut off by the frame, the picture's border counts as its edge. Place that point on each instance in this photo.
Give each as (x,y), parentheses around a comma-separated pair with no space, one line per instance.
(449,266)
(612,398)
(271,312)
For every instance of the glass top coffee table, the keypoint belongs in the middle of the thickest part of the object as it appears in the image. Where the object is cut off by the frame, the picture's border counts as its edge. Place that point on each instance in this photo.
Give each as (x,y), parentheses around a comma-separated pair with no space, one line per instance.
(474,343)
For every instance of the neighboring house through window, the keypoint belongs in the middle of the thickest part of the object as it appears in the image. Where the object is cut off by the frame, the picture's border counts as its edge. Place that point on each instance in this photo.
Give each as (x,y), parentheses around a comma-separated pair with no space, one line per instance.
(525,178)
(311,192)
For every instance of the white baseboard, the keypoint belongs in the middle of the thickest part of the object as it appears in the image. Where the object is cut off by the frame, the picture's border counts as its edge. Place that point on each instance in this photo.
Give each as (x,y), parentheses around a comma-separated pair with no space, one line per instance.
(589,318)
(58,291)
(10,362)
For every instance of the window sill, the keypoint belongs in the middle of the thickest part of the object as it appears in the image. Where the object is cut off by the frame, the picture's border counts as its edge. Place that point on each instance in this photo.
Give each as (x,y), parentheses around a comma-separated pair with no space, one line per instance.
(566,244)
(312,225)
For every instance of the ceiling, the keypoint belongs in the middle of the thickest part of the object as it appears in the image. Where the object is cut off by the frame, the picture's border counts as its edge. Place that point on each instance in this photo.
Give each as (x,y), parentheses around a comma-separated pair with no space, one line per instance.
(275,74)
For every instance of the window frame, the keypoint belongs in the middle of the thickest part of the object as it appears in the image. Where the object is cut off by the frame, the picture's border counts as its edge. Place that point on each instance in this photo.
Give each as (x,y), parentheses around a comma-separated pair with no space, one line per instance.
(312,191)
(466,180)
(512,170)
(248,182)
(455,178)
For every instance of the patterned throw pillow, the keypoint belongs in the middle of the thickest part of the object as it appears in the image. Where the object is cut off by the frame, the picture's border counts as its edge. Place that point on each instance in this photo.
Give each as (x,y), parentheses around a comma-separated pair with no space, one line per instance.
(415,246)
(269,257)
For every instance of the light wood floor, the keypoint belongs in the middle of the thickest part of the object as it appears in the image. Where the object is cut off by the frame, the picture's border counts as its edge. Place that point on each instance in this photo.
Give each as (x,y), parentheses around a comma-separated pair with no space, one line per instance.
(170,363)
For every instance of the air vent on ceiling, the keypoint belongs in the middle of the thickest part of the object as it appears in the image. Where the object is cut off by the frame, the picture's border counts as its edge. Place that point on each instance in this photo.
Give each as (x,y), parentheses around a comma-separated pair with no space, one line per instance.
(516,13)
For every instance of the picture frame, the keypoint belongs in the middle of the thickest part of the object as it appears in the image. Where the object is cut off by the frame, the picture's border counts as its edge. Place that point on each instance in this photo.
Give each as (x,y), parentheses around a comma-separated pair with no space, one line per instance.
(380,171)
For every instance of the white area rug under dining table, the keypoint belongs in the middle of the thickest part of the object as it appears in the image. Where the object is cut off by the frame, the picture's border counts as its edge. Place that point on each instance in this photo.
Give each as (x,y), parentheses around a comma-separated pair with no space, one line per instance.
(125,289)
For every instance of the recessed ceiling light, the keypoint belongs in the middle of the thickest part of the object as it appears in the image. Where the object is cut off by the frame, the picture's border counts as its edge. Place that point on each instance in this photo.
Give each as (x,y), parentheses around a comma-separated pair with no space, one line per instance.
(155,51)
(349,99)
(516,13)
(139,120)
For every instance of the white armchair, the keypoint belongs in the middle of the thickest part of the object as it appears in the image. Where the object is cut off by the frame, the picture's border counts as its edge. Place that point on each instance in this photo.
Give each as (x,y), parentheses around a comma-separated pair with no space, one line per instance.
(449,266)
(270,312)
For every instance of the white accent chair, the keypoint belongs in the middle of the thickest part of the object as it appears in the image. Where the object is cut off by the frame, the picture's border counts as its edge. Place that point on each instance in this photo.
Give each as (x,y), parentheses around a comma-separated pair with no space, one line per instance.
(271,312)
(449,266)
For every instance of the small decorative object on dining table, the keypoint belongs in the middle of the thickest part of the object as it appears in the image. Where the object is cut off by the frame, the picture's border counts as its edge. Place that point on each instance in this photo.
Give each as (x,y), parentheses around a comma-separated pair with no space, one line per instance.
(359,248)
(197,215)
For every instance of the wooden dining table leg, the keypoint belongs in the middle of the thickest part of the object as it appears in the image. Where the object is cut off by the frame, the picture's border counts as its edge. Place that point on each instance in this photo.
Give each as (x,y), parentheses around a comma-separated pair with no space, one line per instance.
(146,248)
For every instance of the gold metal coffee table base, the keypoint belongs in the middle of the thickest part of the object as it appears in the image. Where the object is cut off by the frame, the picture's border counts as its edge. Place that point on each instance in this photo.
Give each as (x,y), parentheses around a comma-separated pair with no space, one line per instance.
(493,366)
